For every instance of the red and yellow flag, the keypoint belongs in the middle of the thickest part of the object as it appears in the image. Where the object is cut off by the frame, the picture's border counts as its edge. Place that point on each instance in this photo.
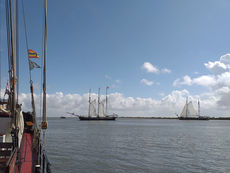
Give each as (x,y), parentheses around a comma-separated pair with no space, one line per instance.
(32,54)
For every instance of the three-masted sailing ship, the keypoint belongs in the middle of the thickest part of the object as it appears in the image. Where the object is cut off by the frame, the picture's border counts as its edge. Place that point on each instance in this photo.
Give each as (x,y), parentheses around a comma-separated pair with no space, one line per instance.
(100,114)
(22,140)
(189,113)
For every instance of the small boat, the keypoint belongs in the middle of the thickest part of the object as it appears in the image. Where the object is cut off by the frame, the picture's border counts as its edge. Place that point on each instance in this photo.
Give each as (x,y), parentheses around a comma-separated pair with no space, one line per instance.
(189,113)
(101,115)
(62,117)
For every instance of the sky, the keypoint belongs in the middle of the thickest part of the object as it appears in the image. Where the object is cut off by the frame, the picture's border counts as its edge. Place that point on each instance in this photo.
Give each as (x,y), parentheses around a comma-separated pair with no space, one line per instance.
(151,53)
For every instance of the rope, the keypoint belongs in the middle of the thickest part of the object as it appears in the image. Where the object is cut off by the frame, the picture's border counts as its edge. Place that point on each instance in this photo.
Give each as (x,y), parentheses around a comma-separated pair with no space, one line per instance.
(27,44)
(8,35)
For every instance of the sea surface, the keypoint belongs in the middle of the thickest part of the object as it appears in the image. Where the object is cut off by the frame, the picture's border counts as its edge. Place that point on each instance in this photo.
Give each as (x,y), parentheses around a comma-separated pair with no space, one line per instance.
(138,146)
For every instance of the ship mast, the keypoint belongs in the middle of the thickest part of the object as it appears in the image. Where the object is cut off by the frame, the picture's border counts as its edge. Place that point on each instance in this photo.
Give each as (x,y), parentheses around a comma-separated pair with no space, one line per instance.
(106,101)
(30,73)
(98,102)
(89,102)
(44,124)
(11,58)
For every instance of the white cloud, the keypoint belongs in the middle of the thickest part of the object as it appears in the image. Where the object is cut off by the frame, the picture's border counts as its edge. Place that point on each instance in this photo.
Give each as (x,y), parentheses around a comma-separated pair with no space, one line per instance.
(218,83)
(220,76)
(204,80)
(147,82)
(212,104)
(150,68)
(225,59)
(210,81)
(216,67)
(221,66)
(185,81)
(165,70)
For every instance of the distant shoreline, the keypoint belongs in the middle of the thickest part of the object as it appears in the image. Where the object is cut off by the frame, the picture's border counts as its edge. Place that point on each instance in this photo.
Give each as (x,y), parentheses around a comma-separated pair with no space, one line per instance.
(211,118)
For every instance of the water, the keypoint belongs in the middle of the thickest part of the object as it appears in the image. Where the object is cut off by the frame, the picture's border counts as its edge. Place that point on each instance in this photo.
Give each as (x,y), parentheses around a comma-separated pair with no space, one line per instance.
(138,146)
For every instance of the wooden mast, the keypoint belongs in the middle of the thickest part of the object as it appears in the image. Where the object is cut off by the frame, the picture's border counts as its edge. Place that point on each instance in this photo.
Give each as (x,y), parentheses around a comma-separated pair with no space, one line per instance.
(44,124)
(12,69)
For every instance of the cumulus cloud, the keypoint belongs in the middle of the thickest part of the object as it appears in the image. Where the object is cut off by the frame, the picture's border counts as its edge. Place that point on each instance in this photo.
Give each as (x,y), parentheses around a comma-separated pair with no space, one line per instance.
(218,82)
(185,81)
(216,67)
(150,68)
(58,103)
(221,66)
(147,82)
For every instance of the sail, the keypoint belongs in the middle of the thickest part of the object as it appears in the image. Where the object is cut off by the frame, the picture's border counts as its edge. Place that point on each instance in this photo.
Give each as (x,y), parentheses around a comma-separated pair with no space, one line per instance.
(101,109)
(188,110)
(92,108)
(184,112)
(191,110)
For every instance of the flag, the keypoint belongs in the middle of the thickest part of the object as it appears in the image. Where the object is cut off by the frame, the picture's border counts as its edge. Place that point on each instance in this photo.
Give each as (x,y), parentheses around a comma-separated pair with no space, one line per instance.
(107,87)
(32,54)
(33,65)
(7,91)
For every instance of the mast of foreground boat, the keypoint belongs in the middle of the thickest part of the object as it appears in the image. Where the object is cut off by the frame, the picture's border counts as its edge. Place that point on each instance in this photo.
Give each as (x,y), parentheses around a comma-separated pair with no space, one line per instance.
(89,102)
(44,124)
(11,59)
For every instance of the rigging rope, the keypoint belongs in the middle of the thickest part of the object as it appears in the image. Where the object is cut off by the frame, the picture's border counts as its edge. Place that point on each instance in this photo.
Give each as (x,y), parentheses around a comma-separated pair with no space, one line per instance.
(1,34)
(8,35)
(27,44)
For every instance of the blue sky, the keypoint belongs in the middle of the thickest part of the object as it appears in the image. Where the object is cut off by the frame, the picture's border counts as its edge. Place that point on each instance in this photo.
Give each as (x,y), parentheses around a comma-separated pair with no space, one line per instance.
(90,39)
(99,43)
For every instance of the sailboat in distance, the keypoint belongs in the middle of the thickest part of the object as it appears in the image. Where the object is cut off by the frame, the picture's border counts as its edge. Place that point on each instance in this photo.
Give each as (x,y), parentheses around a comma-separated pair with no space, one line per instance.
(100,114)
(189,113)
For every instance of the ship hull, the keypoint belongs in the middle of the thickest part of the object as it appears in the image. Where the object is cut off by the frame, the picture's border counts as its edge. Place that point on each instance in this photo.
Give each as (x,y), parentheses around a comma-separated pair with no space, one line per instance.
(83,118)
(193,118)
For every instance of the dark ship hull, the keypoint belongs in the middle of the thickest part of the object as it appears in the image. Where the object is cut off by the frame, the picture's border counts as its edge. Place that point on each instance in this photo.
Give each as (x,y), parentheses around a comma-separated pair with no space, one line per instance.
(193,118)
(97,118)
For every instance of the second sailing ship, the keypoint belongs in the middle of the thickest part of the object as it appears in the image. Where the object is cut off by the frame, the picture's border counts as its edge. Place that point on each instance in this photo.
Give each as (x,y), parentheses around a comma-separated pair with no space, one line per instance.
(100,114)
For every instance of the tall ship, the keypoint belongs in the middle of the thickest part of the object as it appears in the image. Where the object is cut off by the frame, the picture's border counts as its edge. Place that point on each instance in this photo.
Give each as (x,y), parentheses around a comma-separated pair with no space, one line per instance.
(100,114)
(189,113)
(22,140)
